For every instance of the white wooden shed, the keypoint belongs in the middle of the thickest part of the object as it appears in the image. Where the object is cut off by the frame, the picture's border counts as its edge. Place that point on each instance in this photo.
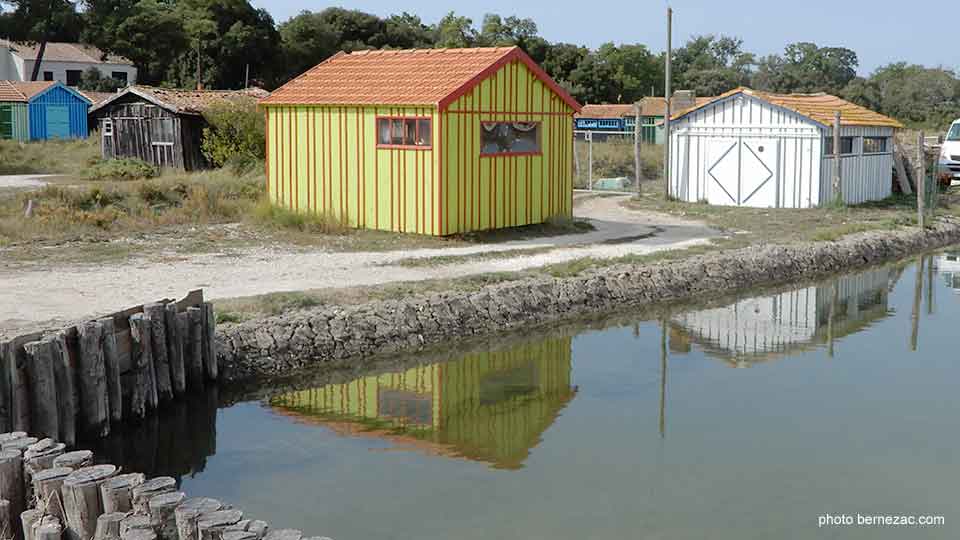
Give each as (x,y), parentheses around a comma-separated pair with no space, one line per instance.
(757,149)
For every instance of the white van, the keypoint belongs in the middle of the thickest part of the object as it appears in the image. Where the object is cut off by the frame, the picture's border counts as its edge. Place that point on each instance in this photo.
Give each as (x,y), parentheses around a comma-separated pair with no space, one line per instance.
(950,152)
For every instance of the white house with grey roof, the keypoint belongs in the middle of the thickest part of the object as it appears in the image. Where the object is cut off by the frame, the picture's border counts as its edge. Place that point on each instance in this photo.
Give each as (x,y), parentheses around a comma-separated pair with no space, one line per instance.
(63,62)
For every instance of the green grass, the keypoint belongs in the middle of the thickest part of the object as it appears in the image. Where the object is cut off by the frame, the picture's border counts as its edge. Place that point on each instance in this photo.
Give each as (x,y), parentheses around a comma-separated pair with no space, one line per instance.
(49,157)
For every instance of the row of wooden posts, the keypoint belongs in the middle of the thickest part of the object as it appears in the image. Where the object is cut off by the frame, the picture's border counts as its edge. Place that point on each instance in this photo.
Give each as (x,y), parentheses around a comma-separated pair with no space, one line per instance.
(48,493)
(83,379)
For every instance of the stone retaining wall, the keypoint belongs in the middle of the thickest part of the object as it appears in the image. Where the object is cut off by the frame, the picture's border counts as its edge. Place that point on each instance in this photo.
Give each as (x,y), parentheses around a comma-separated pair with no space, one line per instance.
(277,345)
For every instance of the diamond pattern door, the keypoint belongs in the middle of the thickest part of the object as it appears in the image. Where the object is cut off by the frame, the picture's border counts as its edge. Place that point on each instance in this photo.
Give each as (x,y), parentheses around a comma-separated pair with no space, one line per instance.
(741,172)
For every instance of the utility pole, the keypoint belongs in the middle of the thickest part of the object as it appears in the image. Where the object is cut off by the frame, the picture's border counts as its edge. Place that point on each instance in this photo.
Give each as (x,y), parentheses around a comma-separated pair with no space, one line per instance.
(199,84)
(637,162)
(666,96)
(837,185)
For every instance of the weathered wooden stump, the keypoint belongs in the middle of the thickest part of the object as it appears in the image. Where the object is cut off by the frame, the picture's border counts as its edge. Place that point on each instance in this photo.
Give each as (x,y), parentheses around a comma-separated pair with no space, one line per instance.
(150,489)
(283,534)
(162,513)
(20,444)
(157,314)
(139,534)
(189,511)
(6,524)
(74,460)
(211,526)
(111,360)
(117,492)
(11,485)
(108,526)
(46,490)
(81,500)
(27,519)
(258,527)
(175,344)
(135,522)
(41,455)
(238,535)
(43,388)
(48,528)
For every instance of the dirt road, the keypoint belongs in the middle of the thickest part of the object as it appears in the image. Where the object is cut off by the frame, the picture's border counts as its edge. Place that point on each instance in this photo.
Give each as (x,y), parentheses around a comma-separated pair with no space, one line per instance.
(32,297)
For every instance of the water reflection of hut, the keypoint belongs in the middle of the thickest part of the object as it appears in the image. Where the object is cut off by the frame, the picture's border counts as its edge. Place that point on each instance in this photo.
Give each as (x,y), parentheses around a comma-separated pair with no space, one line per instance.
(490,406)
(948,265)
(769,327)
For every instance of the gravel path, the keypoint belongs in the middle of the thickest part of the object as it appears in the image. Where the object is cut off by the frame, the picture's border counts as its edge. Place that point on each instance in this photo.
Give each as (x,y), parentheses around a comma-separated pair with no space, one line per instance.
(33,297)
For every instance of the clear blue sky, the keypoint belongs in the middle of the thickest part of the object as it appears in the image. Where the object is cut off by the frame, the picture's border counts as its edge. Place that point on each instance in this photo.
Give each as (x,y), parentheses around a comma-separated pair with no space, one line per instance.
(880,31)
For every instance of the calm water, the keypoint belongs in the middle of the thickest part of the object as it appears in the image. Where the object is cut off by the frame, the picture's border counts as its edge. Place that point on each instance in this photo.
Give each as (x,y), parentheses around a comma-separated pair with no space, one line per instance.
(733,422)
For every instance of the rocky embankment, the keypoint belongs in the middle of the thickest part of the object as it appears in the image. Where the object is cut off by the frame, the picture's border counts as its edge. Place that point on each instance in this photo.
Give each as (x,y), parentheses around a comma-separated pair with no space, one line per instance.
(333,335)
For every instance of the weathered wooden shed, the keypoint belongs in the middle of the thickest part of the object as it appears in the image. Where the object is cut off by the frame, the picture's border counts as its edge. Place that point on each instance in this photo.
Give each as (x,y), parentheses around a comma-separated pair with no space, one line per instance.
(41,110)
(159,125)
(750,148)
(436,141)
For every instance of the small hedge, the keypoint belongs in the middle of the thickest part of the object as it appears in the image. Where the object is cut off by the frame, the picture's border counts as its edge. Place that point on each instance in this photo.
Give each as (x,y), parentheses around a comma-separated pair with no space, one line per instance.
(120,170)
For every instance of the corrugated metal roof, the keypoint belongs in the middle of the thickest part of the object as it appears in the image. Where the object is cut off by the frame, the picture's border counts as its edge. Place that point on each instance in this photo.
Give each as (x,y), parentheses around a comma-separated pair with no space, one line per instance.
(65,52)
(819,107)
(185,101)
(402,77)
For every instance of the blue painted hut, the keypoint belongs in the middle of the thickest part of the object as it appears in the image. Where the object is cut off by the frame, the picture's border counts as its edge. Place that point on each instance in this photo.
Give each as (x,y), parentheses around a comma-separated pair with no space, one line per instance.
(53,111)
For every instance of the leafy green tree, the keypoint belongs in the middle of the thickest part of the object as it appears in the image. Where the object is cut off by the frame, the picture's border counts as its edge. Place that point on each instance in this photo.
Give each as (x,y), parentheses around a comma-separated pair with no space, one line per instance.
(406,31)
(153,38)
(235,136)
(709,65)
(562,58)
(455,31)
(805,67)
(635,70)
(306,40)
(93,80)
(916,95)
(357,30)
(41,21)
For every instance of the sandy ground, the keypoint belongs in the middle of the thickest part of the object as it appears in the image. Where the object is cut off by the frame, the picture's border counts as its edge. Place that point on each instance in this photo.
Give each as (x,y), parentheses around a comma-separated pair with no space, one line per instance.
(41,297)
(23,180)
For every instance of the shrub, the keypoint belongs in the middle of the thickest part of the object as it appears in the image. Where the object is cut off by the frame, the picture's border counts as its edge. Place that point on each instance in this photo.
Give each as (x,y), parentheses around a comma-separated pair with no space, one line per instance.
(236,135)
(119,170)
(268,213)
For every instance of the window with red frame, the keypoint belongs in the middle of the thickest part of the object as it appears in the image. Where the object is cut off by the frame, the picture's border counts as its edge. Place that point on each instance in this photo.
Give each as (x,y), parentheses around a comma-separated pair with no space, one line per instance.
(499,138)
(404,132)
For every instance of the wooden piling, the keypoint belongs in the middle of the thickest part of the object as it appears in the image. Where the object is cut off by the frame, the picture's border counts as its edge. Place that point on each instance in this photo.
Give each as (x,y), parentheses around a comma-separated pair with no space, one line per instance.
(258,527)
(20,444)
(156,312)
(209,342)
(175,344)
(27,519)
(111,360)
(135,522)
(92,379)
(39,457)
(63,373)
(194,368)
(139,534)
(117,492)
(76,459)
(231,534)
(283,534)
(46,490)
(108,526)
(150,489)
(19,386)
(11,484)
(81,500)
(48,528)
(143,394)
(43,388)
(162,510)
(189,511)
(212,525)
(6,525)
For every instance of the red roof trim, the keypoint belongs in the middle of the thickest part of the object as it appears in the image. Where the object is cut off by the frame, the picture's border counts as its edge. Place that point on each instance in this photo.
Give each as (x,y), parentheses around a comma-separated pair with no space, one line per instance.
(518,54)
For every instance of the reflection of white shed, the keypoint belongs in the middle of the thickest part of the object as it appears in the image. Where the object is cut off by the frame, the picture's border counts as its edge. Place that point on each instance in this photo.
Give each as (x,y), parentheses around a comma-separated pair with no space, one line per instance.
(750,148)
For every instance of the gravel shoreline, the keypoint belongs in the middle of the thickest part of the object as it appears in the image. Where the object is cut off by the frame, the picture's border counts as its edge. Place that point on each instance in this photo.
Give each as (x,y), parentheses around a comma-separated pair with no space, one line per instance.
(334,336)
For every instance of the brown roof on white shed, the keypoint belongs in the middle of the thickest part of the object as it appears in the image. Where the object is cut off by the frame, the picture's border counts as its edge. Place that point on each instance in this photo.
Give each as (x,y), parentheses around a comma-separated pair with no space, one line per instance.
(65,52)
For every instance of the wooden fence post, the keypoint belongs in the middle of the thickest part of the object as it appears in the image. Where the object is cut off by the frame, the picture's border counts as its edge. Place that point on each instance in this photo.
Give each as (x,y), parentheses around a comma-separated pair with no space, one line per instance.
(637,155)
(837,149)
(43,388)
(143,395)
(117,492)
(92,376)
(11,486)
(81,500)
(111,359)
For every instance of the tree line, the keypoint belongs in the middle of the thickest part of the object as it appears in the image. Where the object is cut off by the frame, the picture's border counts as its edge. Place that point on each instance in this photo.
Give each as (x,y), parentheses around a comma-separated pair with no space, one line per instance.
(166,39)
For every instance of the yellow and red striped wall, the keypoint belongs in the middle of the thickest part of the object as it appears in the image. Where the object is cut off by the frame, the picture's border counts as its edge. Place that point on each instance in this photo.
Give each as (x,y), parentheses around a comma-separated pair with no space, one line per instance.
(325,159)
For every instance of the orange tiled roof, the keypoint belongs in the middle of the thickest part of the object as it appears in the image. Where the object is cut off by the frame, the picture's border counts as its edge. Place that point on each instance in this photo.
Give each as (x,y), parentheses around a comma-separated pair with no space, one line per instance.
(401,77)
(818,107)
(32,88)
(9,92)
(657,106)
(606,110)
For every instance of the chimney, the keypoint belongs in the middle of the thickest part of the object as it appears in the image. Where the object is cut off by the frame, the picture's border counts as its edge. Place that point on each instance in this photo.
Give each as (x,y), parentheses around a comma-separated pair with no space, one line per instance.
(682,100)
